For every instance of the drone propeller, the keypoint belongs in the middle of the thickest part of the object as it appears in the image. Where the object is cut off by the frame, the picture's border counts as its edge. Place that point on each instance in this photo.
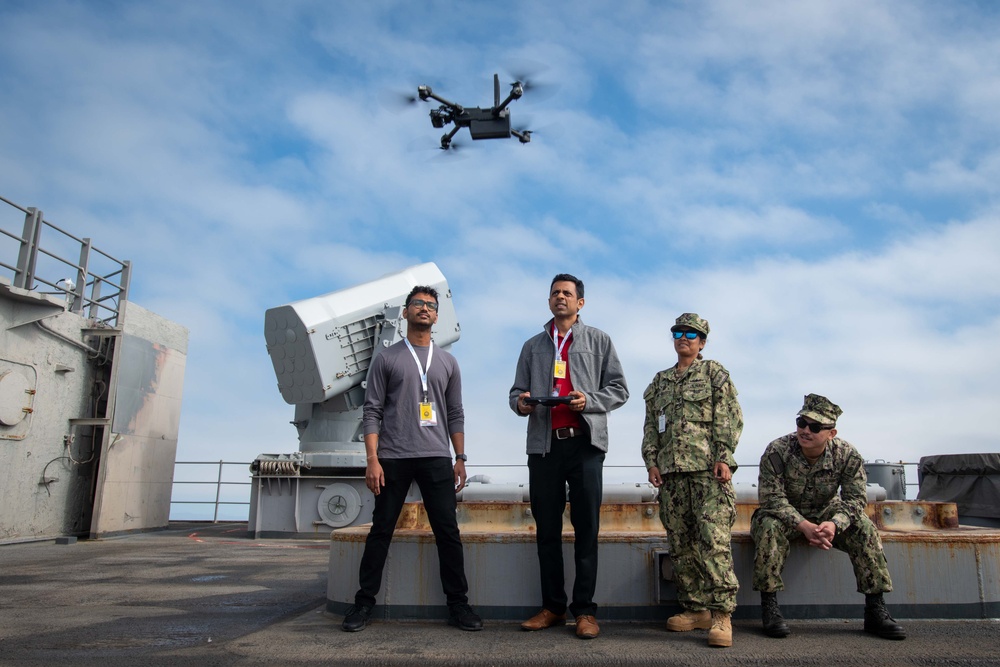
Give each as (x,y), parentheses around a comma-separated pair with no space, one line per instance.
(399,99)
(537,89)
(429,149)
(524,132)
(396,100)
(454,151)
(527,75)
(524,136)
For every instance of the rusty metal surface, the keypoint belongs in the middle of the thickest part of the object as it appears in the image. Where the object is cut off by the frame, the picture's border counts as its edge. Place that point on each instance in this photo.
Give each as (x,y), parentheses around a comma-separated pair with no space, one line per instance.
(913,515)
(505,516)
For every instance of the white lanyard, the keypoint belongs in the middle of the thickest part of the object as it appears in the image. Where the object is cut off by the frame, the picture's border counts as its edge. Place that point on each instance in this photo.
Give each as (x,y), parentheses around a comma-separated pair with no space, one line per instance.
(559,371)
(555,338)
(423,372)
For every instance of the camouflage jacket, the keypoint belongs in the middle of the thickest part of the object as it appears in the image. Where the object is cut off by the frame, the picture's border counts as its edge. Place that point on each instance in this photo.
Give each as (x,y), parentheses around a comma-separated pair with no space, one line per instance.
(792,490)
(702,419)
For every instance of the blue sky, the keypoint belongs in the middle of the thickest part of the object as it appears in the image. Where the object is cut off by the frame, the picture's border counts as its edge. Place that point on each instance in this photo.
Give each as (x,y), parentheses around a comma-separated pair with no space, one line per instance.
(819,180)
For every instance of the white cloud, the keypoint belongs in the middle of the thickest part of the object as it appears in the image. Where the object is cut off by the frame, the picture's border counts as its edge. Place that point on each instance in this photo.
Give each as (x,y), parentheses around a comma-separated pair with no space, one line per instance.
(817,179)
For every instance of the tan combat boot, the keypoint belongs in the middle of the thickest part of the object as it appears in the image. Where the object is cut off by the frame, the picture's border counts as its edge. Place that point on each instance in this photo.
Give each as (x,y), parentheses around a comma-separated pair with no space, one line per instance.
(721,634)
(690,620)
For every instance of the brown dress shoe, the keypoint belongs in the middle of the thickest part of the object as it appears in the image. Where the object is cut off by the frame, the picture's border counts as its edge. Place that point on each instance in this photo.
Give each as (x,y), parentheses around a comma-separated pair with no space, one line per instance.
(586,627)
(543,619)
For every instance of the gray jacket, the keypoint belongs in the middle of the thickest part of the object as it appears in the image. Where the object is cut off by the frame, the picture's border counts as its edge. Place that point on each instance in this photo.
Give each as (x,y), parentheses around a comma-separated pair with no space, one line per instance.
(595,370)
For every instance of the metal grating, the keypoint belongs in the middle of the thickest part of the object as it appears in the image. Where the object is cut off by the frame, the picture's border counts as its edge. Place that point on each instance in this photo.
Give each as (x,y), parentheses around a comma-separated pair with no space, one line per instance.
(357,341)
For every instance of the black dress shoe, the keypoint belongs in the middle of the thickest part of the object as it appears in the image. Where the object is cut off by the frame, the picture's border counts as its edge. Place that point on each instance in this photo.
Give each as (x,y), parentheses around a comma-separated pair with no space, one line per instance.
(462,616)
(357,618)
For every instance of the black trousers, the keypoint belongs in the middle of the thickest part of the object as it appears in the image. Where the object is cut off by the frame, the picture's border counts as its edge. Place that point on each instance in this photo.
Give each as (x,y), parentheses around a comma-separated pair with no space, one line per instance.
(435,478)
(576,462)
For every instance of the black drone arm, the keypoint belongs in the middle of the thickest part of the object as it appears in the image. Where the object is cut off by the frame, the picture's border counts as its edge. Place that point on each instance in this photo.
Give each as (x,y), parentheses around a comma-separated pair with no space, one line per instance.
(446,138)
(426,93)
(524,136)
(516,91)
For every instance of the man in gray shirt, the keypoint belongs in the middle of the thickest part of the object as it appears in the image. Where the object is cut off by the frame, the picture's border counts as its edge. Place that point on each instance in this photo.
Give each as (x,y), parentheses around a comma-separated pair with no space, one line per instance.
(413,406)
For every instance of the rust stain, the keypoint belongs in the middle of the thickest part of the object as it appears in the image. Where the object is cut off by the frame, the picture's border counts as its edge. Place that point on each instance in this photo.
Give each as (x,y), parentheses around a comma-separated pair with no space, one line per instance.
(511,522)
(895,516)
(489,516)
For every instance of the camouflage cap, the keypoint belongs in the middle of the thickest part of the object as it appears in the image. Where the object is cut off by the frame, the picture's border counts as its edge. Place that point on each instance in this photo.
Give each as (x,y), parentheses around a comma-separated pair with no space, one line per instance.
(820,409)
(691,321)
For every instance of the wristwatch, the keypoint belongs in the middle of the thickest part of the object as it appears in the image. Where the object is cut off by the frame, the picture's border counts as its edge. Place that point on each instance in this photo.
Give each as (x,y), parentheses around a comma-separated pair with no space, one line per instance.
(461,457)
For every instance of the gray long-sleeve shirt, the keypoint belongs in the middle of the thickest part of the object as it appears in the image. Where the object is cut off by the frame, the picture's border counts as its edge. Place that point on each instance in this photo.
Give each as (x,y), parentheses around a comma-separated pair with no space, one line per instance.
(392,402)
(596,372)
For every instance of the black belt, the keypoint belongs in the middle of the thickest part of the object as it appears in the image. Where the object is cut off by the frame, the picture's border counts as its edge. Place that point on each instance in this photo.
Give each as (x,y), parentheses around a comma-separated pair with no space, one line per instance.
(566,433)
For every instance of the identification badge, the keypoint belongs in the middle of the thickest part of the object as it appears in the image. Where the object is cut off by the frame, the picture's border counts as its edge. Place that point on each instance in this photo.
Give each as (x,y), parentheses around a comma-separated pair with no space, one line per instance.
(427,415)
(662,423)
(559,371)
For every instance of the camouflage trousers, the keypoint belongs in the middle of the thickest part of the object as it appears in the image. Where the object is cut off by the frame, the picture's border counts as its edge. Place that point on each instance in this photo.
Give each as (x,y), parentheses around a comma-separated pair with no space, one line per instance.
(860,542)
(698,512)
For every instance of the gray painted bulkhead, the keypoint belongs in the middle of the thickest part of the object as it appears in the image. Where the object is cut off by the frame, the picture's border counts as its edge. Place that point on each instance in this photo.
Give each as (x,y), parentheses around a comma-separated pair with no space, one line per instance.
(136,475)
(93,453)
(48,484)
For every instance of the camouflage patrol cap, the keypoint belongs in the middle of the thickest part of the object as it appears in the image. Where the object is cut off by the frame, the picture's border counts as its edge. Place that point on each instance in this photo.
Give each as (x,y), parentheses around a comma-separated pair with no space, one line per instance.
(691,321)
(820,409)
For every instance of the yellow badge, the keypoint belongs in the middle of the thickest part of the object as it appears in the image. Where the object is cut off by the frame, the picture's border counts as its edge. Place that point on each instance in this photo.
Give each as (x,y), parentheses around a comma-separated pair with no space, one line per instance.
(559,372)
(426,412)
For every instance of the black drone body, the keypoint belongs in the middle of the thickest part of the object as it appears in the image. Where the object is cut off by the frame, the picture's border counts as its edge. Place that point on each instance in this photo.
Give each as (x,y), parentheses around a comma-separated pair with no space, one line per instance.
(491,123)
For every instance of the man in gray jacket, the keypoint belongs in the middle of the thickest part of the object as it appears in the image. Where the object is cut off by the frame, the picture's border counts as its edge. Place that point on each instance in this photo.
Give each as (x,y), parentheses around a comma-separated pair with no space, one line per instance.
(567,380)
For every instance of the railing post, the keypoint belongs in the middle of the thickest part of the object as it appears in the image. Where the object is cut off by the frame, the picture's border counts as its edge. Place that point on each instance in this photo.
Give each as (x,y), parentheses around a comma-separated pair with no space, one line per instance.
(28,253)
(218,491)
(126,279)
(95,294)
(81,277)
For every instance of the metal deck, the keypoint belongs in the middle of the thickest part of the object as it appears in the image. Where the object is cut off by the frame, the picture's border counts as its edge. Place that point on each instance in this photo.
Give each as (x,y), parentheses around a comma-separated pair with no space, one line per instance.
(208,595)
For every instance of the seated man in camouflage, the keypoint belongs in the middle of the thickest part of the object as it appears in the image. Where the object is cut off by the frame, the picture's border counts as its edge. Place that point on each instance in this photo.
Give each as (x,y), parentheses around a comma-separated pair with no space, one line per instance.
(812,485)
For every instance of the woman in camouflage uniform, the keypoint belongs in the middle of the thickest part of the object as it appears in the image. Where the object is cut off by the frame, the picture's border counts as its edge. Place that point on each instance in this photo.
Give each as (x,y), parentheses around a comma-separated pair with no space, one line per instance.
(693,423)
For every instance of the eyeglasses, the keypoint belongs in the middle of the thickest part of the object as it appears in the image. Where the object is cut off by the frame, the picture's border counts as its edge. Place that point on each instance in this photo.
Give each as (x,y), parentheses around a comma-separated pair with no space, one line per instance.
(815,428)
(420,303)
(690,335)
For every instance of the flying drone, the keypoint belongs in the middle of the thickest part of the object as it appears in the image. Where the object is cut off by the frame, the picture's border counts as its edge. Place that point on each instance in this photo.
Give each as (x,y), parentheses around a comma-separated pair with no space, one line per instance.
(491,123)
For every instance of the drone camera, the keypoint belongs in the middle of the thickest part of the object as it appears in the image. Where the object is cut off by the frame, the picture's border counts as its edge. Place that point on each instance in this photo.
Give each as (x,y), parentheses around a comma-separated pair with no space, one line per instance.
(440,118)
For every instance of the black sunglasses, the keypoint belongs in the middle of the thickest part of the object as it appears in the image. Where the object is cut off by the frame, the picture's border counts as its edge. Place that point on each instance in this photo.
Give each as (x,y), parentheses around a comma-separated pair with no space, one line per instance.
(815,428)
(690,335)
(420,303)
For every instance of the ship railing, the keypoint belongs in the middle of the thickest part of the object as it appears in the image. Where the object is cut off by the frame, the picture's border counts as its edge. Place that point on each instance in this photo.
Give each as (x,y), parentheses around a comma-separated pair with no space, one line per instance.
(217,491)
(203,487)
(94,283)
